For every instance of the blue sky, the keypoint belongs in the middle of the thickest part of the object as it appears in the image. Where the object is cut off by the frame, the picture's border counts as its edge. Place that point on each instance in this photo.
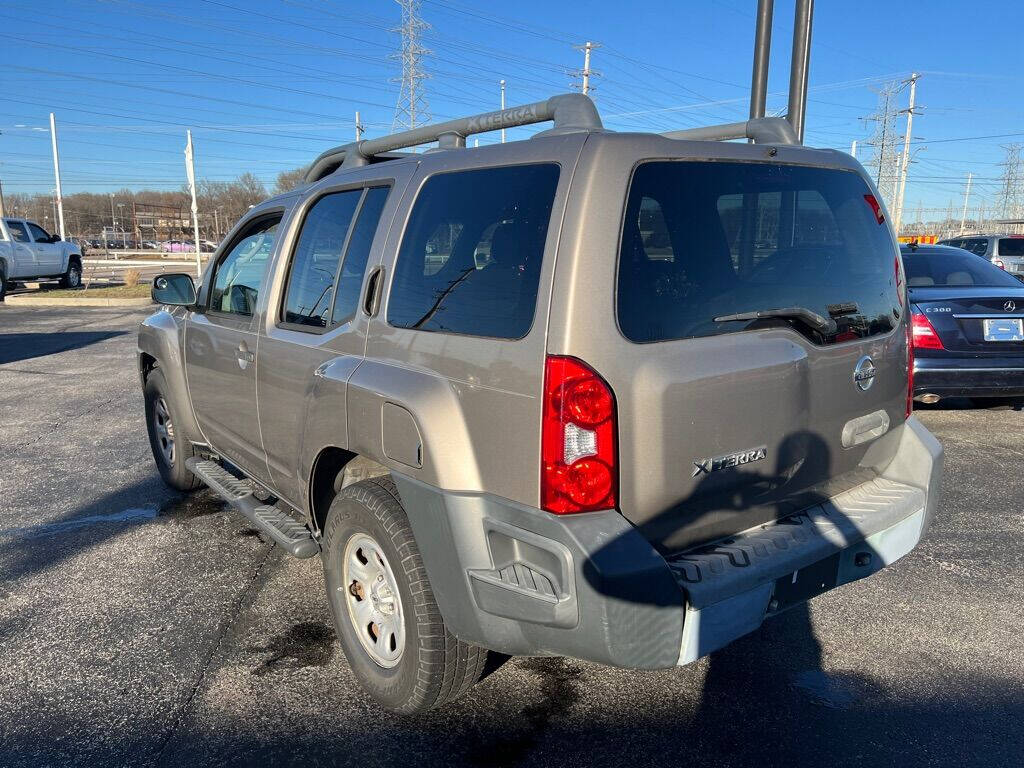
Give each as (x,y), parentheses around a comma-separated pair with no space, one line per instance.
(266,86)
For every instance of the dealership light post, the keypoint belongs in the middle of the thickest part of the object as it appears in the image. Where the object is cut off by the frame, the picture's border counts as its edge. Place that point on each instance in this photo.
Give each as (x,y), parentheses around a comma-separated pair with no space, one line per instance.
(56,175)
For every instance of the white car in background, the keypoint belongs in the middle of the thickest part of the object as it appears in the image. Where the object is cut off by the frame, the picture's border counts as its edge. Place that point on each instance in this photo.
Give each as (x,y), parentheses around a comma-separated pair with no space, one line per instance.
(29,252)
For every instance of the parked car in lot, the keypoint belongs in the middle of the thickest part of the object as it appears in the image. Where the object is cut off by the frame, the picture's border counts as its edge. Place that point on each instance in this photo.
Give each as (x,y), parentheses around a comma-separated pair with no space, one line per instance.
(510,421)
(968,325)
(178,246)
(1005,251)
(28,252)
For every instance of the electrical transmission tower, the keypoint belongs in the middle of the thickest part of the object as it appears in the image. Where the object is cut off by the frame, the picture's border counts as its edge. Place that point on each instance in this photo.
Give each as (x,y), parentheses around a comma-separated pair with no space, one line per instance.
(1011,193)
(412,108)
(884,157)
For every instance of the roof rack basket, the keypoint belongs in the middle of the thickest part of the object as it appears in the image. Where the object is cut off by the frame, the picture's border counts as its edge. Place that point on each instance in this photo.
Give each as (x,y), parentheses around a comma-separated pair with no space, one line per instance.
(570,112)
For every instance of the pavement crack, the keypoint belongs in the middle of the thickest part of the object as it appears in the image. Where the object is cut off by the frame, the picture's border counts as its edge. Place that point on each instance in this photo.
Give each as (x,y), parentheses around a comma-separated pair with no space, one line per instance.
(245,597)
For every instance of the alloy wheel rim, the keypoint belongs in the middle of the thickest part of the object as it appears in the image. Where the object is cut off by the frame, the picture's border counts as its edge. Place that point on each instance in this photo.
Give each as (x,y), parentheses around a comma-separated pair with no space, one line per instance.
(372,600)
(164,430)
(74,278)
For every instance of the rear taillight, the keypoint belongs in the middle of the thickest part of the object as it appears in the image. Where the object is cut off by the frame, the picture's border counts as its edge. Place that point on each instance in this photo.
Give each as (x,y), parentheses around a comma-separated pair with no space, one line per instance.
(999,263)
(910,370)
(875,208)
(924,334)
(579,470)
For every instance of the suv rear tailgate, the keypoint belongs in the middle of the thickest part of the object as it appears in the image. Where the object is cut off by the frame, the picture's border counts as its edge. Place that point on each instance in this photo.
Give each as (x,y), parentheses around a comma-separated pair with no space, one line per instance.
(724,424)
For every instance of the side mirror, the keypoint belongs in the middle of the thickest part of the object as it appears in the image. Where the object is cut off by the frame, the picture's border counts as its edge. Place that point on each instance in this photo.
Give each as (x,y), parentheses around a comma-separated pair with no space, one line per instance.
(175,289)
(54,238)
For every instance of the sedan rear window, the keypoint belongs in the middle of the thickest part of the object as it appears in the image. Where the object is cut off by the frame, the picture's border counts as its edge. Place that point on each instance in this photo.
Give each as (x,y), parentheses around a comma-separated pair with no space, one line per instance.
(949,268)
(706,242)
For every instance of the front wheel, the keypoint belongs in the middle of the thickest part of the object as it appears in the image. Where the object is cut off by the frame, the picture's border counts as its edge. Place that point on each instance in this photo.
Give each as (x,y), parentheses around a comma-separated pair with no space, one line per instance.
(73,277)
(387,619)
(171,448)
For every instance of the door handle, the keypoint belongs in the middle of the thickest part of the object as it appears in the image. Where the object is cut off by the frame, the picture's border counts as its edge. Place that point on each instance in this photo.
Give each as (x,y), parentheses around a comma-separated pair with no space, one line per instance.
(371,303)
(244,355)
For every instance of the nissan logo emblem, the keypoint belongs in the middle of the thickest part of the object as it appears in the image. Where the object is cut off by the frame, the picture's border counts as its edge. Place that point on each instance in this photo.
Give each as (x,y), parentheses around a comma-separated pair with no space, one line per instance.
(1009,306)
(864,374)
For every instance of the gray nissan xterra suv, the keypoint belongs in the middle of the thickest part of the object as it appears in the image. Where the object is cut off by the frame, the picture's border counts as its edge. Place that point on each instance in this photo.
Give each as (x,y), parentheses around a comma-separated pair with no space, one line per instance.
(614,396)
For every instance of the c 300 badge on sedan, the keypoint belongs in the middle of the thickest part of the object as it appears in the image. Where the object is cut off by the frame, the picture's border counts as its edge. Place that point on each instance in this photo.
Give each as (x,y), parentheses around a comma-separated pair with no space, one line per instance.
(864,373)
(715,463)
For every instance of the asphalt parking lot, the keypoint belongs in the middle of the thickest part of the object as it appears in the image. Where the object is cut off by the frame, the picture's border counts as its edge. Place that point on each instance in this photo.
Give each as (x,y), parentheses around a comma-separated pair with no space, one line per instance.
(138,627)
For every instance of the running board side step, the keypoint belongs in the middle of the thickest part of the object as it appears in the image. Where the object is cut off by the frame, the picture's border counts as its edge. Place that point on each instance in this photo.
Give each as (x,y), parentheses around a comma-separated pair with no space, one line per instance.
(282,528)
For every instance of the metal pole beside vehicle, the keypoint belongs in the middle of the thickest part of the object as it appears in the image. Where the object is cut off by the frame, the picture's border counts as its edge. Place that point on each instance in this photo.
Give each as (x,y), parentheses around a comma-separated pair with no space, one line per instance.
(800,66)
(56,175)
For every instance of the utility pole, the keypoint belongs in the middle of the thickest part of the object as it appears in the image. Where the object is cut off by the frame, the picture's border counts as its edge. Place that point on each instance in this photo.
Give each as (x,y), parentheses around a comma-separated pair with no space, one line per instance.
(967,195)
(411,109)
(853,149)
(502,109)
(906,152)
(359,130)
(3,211)
(56,174)
(586,72)
(190,171)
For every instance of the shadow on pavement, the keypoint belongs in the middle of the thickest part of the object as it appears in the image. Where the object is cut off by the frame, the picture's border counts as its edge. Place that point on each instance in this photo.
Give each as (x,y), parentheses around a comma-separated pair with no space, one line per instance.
(25,346)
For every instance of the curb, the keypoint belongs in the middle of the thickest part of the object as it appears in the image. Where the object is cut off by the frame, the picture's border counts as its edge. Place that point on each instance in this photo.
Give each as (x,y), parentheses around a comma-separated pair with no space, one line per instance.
(44,301)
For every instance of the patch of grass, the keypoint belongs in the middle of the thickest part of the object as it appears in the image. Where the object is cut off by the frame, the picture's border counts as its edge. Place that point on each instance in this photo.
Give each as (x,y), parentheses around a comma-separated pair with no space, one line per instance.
(102,292)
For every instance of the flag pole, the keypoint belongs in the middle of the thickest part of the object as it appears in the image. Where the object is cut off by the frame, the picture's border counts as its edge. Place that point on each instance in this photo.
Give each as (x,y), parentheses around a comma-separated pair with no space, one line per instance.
(190,169)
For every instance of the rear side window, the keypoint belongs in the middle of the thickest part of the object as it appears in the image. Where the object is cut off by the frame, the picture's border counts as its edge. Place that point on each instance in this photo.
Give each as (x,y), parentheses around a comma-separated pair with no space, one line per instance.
(17,230)
(707,240)
(353,267)
(310,292)
(471,256)
(1011,246)
(975,245)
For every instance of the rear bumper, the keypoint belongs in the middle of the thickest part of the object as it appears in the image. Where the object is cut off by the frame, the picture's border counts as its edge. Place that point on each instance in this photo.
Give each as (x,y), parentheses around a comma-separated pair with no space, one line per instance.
(953,377)
(521,581)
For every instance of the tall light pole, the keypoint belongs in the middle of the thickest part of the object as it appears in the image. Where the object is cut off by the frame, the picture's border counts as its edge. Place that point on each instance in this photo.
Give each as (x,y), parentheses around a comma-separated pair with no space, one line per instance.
(967,195)
(502,109)
(906,153)
(56,174)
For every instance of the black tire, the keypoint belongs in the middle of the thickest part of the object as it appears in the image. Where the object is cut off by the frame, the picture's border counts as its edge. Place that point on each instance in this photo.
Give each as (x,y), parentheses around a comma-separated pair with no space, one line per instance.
(435,667)
(159,409)
(3,281)
(73,277)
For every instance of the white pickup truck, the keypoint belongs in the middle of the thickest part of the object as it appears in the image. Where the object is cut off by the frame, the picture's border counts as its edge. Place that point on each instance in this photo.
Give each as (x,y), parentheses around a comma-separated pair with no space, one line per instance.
(28,252)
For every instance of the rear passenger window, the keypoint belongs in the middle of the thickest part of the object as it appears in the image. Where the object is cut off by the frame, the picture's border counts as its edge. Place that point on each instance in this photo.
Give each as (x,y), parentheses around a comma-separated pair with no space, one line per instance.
(703,242)
(353,266)
(314,266)
(471,255)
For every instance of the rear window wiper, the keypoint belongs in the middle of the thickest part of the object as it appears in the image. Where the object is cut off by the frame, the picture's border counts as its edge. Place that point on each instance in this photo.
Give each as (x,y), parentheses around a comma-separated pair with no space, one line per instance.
(821,324)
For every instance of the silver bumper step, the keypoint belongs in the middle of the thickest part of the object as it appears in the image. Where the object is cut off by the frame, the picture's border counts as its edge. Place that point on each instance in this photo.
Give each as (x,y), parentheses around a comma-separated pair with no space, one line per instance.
(768,552)
(282,528)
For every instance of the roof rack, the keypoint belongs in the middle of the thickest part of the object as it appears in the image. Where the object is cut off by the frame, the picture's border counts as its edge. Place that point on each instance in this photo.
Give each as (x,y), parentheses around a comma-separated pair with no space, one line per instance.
(569,112)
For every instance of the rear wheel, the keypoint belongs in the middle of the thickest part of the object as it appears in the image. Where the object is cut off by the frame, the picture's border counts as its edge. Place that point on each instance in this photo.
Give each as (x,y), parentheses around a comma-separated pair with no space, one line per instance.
(73,277)
(3,282)
(171,448)
(384,609)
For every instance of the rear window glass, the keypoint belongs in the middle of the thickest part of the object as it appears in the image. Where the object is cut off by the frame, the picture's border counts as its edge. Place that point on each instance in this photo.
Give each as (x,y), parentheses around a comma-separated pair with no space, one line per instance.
(1011,246)
(926,269)
(471,256)
(707,240)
